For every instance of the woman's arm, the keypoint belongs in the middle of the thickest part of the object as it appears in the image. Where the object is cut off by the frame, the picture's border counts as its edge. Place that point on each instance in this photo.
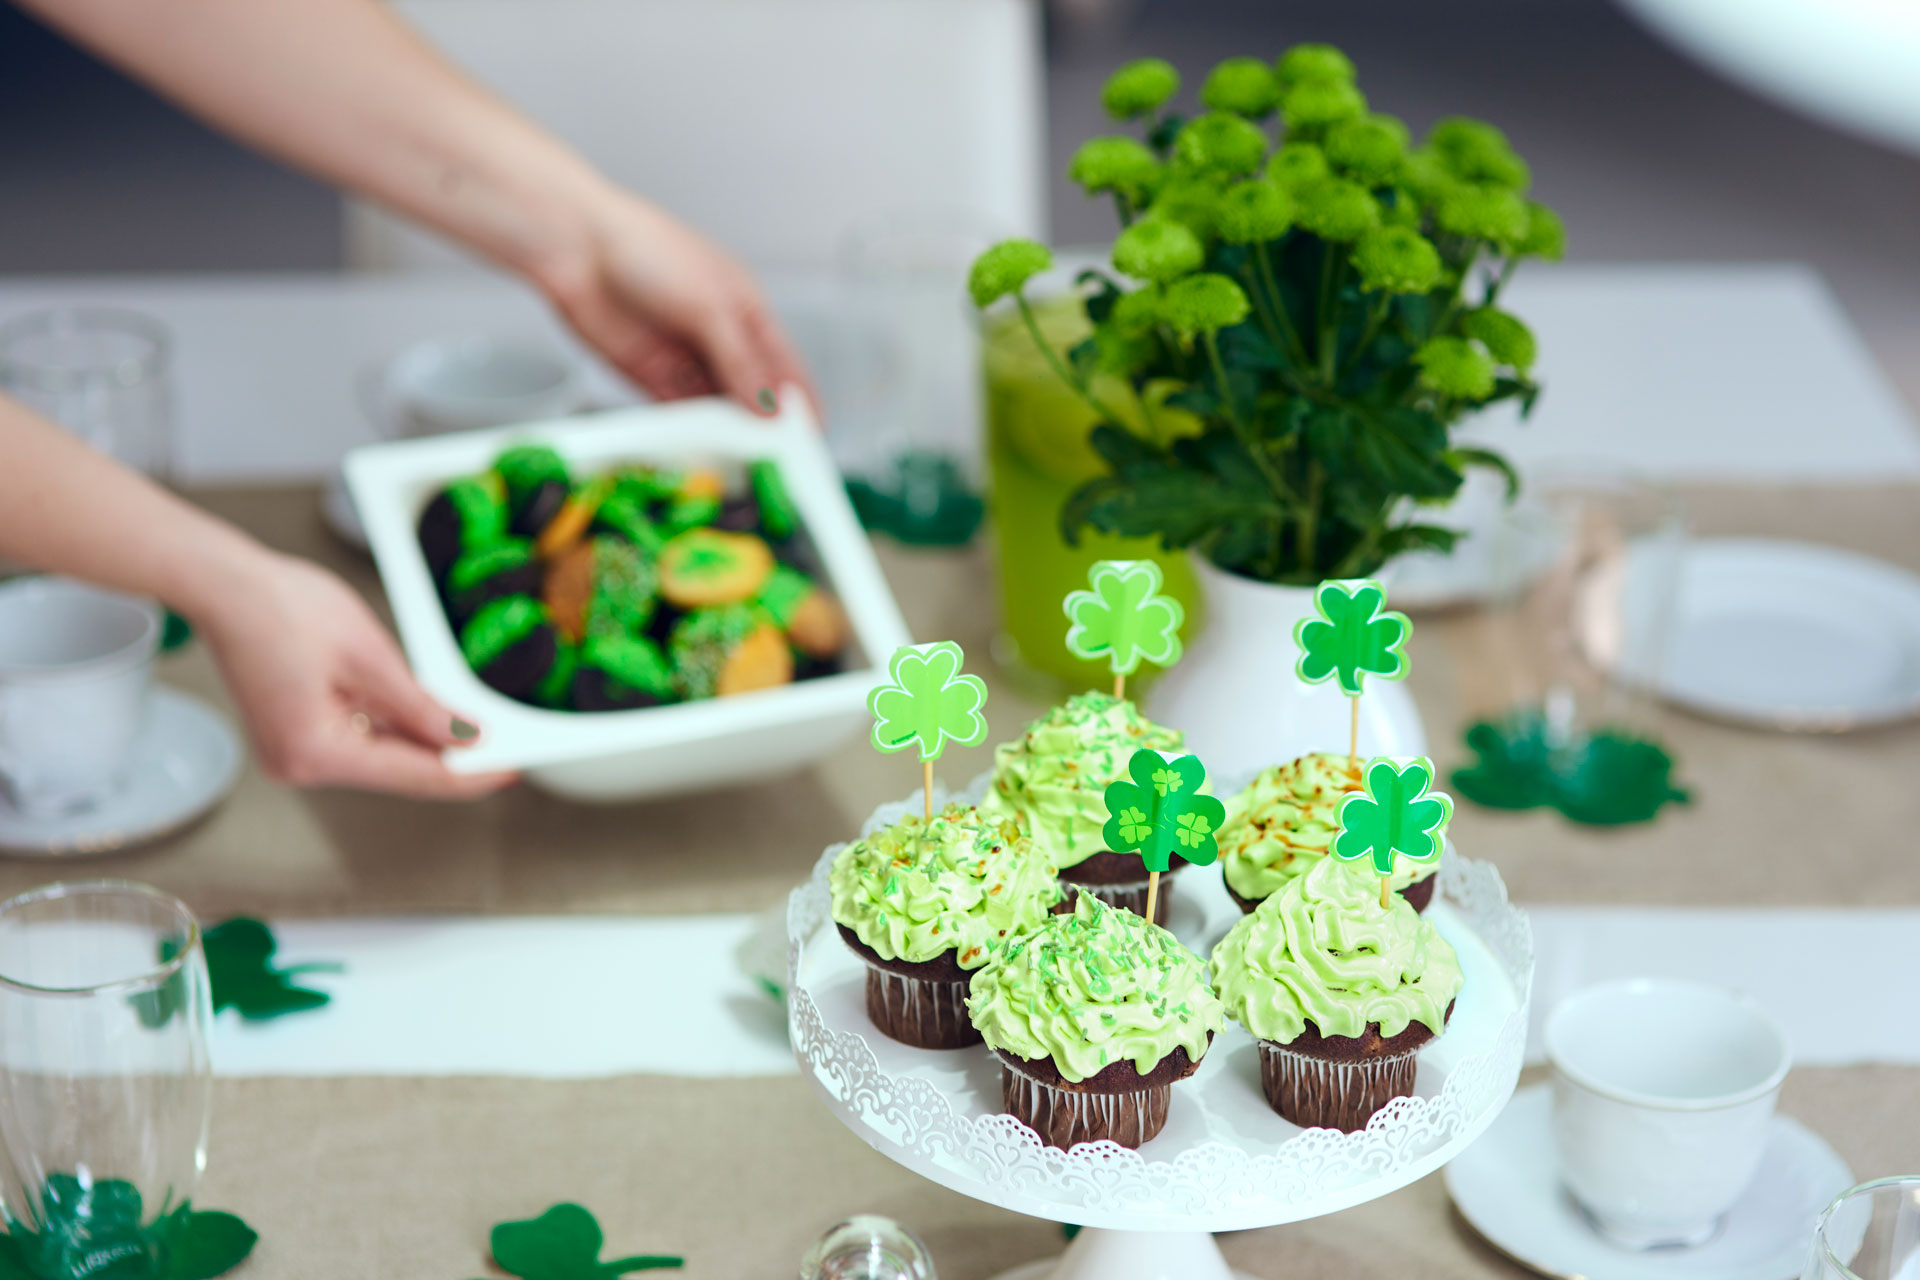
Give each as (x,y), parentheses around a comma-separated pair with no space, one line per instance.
(327,697)
(347,91)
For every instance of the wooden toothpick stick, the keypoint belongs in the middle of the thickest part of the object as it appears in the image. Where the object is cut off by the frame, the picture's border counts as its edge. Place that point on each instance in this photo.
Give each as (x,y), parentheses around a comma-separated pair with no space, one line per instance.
(1153,894)
(926,784)
(1119,688)
(1353,731)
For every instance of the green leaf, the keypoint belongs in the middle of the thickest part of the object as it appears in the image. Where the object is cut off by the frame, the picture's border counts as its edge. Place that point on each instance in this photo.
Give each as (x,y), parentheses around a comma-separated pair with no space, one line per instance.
(1352,636)
(1397,815)
(1463,457)
(929,703)
(564,1244)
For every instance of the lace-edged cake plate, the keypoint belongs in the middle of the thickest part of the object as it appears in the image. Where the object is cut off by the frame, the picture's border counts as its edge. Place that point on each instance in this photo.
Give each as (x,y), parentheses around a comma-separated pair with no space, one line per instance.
(1225,1160)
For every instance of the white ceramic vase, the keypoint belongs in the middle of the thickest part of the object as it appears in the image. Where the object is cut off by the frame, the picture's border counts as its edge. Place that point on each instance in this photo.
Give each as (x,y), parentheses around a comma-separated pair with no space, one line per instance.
(1236,696)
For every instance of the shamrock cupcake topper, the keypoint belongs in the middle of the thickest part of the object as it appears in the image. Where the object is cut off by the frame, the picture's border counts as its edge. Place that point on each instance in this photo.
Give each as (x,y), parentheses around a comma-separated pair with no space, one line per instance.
(1352,637)
(929,703)
(1160,812)
(1398,815)
(1124,618)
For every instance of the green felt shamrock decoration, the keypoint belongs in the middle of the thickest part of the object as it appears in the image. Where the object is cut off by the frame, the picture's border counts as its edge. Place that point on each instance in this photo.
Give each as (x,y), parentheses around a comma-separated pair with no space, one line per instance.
(1161,812)
(1397,815)
(1124,618)
(1351,637)
(240,967)
(1608,777)
(94,1231)
(564,1244)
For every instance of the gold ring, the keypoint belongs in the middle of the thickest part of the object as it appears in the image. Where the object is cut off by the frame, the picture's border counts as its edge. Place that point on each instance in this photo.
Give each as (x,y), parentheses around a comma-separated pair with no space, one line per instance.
(361,723)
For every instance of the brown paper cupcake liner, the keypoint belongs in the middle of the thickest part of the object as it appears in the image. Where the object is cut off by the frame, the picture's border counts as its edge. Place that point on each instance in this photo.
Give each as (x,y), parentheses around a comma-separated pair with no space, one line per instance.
(1338,1082)
(923,1004)
(1065,1117)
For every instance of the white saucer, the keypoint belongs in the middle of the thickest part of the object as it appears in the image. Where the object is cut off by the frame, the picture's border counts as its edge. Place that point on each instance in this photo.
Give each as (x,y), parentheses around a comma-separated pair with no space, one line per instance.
(1786,635)
(185,761)
(1506,1186)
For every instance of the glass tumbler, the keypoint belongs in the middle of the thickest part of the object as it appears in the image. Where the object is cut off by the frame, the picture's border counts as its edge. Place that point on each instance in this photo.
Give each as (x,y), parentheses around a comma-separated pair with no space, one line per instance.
(867,1247)
(105,1083)
(101,373)
(1869,1233)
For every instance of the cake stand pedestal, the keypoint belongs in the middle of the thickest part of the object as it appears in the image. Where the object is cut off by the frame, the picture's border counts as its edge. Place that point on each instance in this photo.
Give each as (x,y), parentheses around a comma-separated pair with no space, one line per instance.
(1225,1161)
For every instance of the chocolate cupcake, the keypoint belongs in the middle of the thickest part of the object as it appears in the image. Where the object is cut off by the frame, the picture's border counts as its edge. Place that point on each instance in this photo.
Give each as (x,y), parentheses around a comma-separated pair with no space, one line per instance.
(506,568)
(1094,1015)
(621,673)
(1278,829)
(727,650)
(925,903)
(1339,992)
(537,484)
(1053,779)
(510,646)
(462,518)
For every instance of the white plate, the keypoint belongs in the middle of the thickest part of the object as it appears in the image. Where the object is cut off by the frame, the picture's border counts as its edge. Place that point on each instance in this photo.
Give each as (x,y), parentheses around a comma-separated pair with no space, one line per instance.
(1784,635)
(184,762)
(1507,1187)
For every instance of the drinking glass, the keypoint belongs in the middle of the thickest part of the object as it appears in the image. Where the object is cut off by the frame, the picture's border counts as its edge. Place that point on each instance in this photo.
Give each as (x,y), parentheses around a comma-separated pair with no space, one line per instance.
(99,372)
(867,1247)
(1869,1233)
(105,1084)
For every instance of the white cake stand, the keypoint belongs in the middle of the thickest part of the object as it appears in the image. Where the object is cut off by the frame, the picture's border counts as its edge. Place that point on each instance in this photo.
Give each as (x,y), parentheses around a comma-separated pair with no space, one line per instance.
(1225,1161)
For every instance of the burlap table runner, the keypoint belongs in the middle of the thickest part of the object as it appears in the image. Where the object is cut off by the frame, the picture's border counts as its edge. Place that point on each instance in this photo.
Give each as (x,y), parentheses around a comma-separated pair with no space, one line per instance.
(1769,826)
(399,1179)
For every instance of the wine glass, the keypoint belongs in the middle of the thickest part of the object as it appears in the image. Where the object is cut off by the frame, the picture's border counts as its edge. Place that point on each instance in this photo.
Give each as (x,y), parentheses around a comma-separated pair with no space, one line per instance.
(105,1082)
(1869,1233)
(100,372)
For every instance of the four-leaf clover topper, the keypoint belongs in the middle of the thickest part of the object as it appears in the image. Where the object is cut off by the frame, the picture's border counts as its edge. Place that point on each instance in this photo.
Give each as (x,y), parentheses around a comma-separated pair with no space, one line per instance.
(1397,816)
(1352,638)
(1124,618)
(929,703)
(1159,811)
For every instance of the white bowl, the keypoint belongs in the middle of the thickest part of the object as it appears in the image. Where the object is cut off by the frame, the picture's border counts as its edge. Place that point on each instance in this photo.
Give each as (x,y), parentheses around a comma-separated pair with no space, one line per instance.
(621,755)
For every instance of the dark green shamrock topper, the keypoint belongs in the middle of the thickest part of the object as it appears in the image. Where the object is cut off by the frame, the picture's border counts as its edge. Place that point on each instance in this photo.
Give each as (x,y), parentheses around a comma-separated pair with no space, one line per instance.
(1352,637)
(564,1244)
(95,1228)
(241,970)
(1161,813)
(1123,618)
(1397,815)
(928,704)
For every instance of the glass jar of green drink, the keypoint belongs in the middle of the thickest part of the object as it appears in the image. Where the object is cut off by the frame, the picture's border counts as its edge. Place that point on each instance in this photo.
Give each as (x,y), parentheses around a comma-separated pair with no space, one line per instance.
(1037,455)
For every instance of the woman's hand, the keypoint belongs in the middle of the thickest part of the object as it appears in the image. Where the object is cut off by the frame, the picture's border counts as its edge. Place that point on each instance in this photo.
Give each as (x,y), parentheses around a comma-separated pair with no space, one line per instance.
(327,697)
(669,308)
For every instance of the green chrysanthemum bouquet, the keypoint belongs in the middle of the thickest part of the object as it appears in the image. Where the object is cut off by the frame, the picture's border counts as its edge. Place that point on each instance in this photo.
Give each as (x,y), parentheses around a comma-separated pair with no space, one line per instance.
(1324,293)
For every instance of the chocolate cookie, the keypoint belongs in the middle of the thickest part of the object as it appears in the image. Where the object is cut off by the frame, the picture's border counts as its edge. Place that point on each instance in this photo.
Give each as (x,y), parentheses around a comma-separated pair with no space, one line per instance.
(510,645)
(470,513)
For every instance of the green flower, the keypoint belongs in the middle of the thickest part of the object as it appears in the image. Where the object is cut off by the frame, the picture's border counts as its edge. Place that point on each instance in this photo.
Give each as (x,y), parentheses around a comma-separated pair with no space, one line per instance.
(1245,86)
(1204,303)
(1312,62)
(1546,235)
(1397,260)
(1350,636)
(1370,147)
(1296,164)
(1313,103)
(1158,249)
(1400,208)
(1221,142)
(1460,134)
(1139,87)
(1005,268)
(1254,211)
(1396,816)
(1189,198)
(1137,312)
(1506,338)
(1122,353)
(1484,213)
(1475,151)
(1336,209)
(1426,174)
(1115,164)
(1455,367)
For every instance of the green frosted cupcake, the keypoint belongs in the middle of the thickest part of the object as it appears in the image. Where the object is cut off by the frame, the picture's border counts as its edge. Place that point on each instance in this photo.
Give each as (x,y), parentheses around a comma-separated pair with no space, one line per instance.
(925,903)
(1278,829)
(1093,1016)
(1054,777)
(1340,992)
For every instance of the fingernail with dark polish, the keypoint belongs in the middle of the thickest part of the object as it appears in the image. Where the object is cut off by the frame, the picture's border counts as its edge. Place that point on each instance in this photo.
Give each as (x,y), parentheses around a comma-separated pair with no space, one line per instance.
(465,730)
(767,403)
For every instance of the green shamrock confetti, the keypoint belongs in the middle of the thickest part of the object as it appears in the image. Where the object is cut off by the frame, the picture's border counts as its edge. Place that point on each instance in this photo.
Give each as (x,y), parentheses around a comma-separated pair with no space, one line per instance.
(564,1244)
(1161,813)
(1124,618)
(929,702)
(1608,777)
(240,967)
(1396,816)
(1351,637)
(94,1229)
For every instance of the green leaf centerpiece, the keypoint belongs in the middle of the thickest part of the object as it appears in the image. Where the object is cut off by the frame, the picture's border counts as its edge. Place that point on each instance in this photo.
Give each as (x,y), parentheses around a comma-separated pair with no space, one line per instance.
(1350,638)
(928,704)
(1398,815)
(1122,617)
(241,970)
(564,1244)
(1602,777)
(1158,811)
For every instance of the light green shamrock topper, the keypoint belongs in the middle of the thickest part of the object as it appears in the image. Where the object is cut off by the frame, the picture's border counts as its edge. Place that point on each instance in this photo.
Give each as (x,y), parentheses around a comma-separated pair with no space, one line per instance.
(1124,619)
(1396,816)
(1161,813)
(1352,637)
(929,703)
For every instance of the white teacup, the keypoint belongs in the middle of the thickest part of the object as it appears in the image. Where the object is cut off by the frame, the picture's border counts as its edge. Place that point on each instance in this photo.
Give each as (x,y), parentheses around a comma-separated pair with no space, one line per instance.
(457,384)
(1662,1094)
(75,666)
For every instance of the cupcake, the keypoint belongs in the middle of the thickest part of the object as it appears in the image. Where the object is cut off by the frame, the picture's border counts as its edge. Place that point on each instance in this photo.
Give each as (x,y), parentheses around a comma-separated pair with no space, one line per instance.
(1279,827)
(1054,777)
(1093,1016)
(925,903)
(1340,993)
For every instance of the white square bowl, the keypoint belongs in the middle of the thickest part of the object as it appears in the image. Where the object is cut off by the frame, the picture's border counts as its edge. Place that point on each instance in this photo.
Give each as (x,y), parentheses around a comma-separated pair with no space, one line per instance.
(622,755)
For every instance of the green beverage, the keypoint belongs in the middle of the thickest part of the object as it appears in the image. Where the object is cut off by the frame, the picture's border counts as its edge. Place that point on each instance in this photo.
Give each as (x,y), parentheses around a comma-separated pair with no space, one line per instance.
(1037,455)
